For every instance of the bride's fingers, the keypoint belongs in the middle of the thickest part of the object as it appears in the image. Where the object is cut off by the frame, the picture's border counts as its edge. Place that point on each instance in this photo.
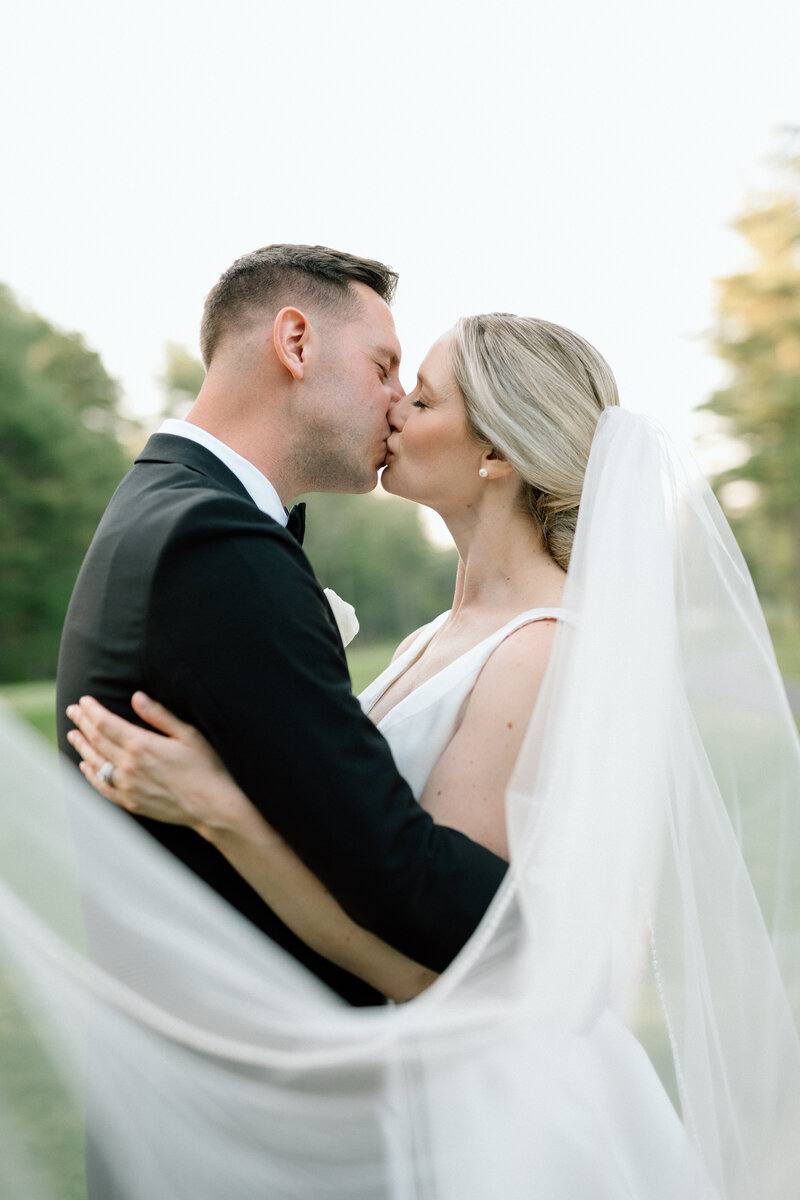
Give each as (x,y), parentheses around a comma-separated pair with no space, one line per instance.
(159,717)
(94,736)
(91,764)
(83,747)
(108,724)
(105,789)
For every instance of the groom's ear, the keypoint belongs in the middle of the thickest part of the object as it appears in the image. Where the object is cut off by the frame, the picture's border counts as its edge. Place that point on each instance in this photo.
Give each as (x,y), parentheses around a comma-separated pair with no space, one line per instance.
(291,338)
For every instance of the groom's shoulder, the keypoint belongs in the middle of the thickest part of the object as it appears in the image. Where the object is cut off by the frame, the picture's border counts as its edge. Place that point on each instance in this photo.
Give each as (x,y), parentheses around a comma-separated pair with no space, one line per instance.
(177,491)
(177,465)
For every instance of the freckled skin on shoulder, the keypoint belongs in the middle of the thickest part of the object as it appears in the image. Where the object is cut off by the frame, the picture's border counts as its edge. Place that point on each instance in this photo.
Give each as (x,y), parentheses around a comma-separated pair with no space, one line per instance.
(466,789)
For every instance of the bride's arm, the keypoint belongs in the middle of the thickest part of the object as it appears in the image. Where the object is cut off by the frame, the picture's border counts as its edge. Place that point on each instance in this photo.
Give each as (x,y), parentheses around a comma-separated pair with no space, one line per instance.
(179,779)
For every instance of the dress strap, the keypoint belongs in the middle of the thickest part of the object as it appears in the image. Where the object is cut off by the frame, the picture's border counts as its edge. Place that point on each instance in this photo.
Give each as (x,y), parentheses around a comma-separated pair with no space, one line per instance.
(524,618)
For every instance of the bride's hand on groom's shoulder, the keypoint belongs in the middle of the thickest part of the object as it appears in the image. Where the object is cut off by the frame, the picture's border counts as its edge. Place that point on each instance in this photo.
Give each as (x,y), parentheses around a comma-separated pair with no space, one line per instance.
(172,775)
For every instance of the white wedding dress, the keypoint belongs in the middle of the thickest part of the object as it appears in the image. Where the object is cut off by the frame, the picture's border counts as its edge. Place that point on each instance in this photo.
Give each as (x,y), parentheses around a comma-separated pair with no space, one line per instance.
(623,1024)
(598,1123)
(419,728)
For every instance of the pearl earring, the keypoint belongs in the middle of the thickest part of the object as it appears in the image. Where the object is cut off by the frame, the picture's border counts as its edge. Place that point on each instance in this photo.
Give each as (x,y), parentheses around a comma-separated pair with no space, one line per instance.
(483,473)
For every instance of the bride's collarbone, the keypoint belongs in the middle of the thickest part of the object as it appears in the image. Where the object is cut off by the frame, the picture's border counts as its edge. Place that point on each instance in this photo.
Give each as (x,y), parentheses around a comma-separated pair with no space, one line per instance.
(459,634)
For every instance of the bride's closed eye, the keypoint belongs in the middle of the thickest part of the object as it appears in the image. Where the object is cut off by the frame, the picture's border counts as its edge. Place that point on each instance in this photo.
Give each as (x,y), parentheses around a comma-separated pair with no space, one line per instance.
(419,404)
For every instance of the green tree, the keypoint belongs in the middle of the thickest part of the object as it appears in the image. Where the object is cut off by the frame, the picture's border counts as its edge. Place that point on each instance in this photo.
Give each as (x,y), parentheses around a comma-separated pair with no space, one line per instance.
(181,381)
(758,336)
(59,462)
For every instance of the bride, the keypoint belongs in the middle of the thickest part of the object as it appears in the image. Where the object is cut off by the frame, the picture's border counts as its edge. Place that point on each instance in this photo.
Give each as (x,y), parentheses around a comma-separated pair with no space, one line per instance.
(621,1022)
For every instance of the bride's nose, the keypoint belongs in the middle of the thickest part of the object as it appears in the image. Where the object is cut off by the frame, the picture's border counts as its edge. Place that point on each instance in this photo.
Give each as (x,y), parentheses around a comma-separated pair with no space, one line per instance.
(398,411)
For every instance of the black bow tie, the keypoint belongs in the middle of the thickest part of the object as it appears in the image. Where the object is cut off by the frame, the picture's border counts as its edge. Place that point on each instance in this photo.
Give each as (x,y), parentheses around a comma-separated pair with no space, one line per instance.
(297,522)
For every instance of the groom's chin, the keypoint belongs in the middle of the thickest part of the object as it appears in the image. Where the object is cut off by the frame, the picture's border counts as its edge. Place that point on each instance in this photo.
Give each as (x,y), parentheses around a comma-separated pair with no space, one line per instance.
(356,487)
(367,483)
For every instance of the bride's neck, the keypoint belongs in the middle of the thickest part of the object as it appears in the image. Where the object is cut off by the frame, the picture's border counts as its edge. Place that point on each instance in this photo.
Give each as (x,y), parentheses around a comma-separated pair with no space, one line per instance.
(503,564)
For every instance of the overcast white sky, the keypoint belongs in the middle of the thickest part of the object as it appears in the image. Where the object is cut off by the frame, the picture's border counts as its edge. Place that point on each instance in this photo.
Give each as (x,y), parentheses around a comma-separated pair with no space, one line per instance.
(575,161)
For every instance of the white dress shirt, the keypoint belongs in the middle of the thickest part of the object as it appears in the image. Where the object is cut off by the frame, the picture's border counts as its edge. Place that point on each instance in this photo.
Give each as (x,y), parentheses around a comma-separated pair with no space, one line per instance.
(258,487)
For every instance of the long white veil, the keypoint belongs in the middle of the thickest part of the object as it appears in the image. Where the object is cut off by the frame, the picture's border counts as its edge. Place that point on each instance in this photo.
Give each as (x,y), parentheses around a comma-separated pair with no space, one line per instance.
(623,1023)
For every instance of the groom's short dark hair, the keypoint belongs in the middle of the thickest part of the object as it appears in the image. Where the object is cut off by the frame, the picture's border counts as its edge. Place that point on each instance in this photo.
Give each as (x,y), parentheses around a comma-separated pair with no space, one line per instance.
(283,274)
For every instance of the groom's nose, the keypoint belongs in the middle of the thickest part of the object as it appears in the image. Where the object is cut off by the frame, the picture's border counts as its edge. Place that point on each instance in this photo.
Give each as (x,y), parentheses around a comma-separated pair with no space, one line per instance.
(398,410)
(398,393)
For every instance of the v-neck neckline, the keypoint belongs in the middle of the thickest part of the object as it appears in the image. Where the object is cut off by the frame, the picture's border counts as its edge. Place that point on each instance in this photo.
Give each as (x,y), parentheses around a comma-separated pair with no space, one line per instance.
(417,648)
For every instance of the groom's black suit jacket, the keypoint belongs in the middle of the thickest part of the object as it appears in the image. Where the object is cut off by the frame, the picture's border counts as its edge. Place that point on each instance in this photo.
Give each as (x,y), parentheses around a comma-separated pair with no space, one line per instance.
(190,592)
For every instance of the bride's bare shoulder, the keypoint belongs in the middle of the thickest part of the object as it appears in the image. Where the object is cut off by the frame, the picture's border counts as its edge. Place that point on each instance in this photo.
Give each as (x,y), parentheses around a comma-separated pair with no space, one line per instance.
(518,663)
(466,789)
(534,637)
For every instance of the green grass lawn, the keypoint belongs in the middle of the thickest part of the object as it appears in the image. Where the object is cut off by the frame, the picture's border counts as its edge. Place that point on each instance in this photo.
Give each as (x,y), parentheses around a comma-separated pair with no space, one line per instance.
(48,1124)
(36,702)
(786,639)
(367,662)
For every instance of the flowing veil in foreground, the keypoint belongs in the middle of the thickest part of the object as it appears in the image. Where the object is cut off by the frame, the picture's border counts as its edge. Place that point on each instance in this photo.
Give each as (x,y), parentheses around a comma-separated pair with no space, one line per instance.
(653,905)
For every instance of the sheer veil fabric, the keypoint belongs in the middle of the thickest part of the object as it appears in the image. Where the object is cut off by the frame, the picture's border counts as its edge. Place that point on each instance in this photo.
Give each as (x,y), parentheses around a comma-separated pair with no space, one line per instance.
(623,1023)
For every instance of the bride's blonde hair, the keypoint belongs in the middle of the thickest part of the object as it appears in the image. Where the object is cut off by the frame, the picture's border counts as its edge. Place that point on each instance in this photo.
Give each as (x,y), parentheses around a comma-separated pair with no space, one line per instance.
(534,391)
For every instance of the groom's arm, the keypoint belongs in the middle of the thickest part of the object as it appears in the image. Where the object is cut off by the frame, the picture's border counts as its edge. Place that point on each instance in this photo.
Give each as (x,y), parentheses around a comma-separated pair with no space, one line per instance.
(238,624)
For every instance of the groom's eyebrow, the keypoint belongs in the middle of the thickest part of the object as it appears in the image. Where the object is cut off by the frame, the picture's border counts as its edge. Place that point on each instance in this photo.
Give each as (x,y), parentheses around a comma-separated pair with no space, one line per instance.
(391,355)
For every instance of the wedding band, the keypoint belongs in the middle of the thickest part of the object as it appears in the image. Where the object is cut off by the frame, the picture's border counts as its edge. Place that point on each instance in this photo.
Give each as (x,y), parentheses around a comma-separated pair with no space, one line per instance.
(105,773)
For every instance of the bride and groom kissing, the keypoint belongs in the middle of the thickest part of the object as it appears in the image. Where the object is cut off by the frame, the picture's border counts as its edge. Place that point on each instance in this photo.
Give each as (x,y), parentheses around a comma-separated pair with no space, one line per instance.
(559,722)
(194,591)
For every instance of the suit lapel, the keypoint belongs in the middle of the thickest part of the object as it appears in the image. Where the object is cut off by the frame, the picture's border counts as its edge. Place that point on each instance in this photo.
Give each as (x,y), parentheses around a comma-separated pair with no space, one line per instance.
(167,448)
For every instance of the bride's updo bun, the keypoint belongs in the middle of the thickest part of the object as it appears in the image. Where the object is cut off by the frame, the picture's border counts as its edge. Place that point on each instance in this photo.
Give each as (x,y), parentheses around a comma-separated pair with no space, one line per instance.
(534,391)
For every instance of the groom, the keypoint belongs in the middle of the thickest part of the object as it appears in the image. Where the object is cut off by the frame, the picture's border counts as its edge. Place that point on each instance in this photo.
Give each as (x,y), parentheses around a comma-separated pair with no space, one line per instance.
(194,590)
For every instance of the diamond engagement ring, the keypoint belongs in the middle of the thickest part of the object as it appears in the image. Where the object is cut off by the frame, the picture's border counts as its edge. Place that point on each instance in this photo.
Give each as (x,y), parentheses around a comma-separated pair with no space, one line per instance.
(105,773)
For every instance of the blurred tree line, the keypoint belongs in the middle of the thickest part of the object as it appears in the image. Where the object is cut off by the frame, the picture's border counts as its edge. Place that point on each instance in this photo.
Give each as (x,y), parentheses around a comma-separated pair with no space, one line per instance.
(758,337)
(65,445)
(373,552)
(60,460)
